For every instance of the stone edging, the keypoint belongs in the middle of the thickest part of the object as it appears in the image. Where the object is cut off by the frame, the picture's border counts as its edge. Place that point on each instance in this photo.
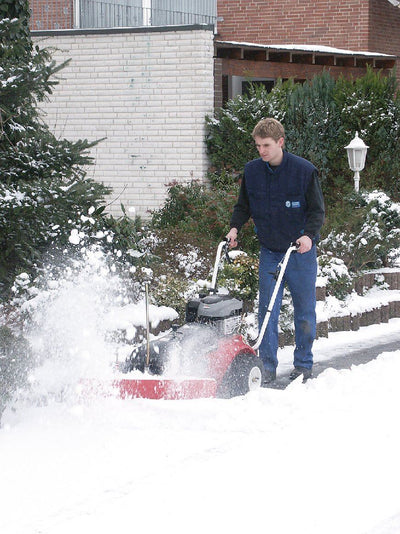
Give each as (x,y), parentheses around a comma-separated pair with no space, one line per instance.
(350,322)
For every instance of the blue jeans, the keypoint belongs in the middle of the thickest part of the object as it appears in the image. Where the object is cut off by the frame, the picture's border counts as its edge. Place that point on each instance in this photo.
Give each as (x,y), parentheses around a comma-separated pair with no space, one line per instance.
(300,276)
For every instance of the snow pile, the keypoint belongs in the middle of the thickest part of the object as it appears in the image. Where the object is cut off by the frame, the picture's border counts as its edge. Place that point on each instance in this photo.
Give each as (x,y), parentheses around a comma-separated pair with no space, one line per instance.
(355,304)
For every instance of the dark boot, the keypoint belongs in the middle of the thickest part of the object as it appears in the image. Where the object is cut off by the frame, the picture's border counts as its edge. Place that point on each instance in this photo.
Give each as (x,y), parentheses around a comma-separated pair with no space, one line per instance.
(269,376)
(297,371)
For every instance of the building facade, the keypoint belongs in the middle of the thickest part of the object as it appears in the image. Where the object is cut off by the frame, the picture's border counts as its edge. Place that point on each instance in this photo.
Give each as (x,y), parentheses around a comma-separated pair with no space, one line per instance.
(144,73)
(266,40)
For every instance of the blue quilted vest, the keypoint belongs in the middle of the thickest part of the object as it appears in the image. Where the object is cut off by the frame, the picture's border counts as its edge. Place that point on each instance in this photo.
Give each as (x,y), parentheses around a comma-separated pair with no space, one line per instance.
(277,199)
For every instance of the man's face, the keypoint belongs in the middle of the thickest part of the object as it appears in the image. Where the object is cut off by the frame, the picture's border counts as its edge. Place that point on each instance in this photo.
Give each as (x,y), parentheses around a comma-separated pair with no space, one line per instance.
(269,149)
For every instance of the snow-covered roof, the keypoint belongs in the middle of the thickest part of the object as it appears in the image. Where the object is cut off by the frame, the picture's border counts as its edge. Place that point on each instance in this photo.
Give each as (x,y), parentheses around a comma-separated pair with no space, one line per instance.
(320,49)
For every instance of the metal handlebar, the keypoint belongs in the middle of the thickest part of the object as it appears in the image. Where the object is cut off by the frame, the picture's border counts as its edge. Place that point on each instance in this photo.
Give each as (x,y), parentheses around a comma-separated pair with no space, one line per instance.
(282,268)
(222,247)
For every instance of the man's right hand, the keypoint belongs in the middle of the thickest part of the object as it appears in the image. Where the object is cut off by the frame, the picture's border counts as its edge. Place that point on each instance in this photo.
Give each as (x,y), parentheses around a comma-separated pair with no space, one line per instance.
(231,237)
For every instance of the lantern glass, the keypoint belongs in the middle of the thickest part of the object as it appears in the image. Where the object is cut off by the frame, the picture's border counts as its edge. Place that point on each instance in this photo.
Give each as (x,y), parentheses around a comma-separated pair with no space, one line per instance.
(356,153)
(357,158)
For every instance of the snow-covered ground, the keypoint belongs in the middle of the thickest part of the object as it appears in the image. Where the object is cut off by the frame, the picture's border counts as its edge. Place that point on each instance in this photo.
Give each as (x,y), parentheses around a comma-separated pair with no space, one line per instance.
(320,457)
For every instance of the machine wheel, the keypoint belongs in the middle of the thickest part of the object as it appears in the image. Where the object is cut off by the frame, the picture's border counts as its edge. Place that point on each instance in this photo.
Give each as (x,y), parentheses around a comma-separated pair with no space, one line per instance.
(244,374)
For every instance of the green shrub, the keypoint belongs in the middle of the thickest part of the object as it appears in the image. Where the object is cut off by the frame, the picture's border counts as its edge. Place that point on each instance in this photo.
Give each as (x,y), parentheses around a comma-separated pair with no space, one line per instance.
(202,213)
(321,117)
(229,141)
(241,277)
(172,291)
(364,231)
(312,123)
(339,282)
(370,105)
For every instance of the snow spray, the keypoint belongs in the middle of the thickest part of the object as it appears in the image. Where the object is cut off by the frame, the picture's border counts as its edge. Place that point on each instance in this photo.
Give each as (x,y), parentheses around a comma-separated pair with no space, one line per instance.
(80,322)
(185,354)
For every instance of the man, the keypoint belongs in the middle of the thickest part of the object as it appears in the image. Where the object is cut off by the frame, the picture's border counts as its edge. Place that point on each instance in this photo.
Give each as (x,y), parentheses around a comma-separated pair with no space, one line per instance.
(282,194)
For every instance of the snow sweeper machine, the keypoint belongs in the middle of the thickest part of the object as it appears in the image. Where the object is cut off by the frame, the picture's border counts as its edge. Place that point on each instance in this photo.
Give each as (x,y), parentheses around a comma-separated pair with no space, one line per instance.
(206,356)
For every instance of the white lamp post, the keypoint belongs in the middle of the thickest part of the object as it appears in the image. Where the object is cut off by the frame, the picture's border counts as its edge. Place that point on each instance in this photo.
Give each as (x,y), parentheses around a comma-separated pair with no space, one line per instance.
(356,153)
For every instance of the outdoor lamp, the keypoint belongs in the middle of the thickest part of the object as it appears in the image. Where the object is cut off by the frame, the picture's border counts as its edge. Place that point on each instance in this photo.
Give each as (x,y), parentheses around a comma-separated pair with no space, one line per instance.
(356,153)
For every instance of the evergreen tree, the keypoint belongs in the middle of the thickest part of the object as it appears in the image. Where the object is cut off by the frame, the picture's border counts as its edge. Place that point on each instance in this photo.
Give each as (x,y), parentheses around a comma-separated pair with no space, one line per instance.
(43,184)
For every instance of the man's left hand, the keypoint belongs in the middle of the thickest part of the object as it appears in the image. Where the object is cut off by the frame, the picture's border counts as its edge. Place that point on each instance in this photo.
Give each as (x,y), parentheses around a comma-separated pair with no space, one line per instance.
(304,243)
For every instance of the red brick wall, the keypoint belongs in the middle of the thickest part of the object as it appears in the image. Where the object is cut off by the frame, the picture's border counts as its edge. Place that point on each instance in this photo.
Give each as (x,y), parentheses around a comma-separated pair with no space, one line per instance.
(384,34)
(341,24)
(51,14)
(272,69)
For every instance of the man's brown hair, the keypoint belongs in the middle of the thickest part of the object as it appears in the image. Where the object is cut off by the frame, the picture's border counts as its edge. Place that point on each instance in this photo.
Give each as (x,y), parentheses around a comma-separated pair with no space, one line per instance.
(269,128)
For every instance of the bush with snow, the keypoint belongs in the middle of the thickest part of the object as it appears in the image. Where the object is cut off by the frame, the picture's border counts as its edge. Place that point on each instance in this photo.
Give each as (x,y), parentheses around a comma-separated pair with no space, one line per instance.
(320,117)
(364,232)
(241,278)
(335,276)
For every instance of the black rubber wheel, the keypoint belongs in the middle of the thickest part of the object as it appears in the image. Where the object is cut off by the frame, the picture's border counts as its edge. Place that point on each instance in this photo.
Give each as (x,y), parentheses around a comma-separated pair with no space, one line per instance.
(244,374)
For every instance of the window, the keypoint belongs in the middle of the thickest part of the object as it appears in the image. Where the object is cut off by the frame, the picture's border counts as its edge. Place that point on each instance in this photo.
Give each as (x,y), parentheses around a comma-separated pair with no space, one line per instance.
(239,85)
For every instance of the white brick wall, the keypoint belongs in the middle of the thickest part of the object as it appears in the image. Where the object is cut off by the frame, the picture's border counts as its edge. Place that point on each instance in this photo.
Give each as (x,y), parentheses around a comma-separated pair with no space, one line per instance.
(148,93)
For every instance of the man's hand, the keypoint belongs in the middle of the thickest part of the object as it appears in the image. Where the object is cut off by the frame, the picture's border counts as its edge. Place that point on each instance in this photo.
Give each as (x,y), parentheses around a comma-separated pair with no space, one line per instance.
(304,243)
(231,237)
